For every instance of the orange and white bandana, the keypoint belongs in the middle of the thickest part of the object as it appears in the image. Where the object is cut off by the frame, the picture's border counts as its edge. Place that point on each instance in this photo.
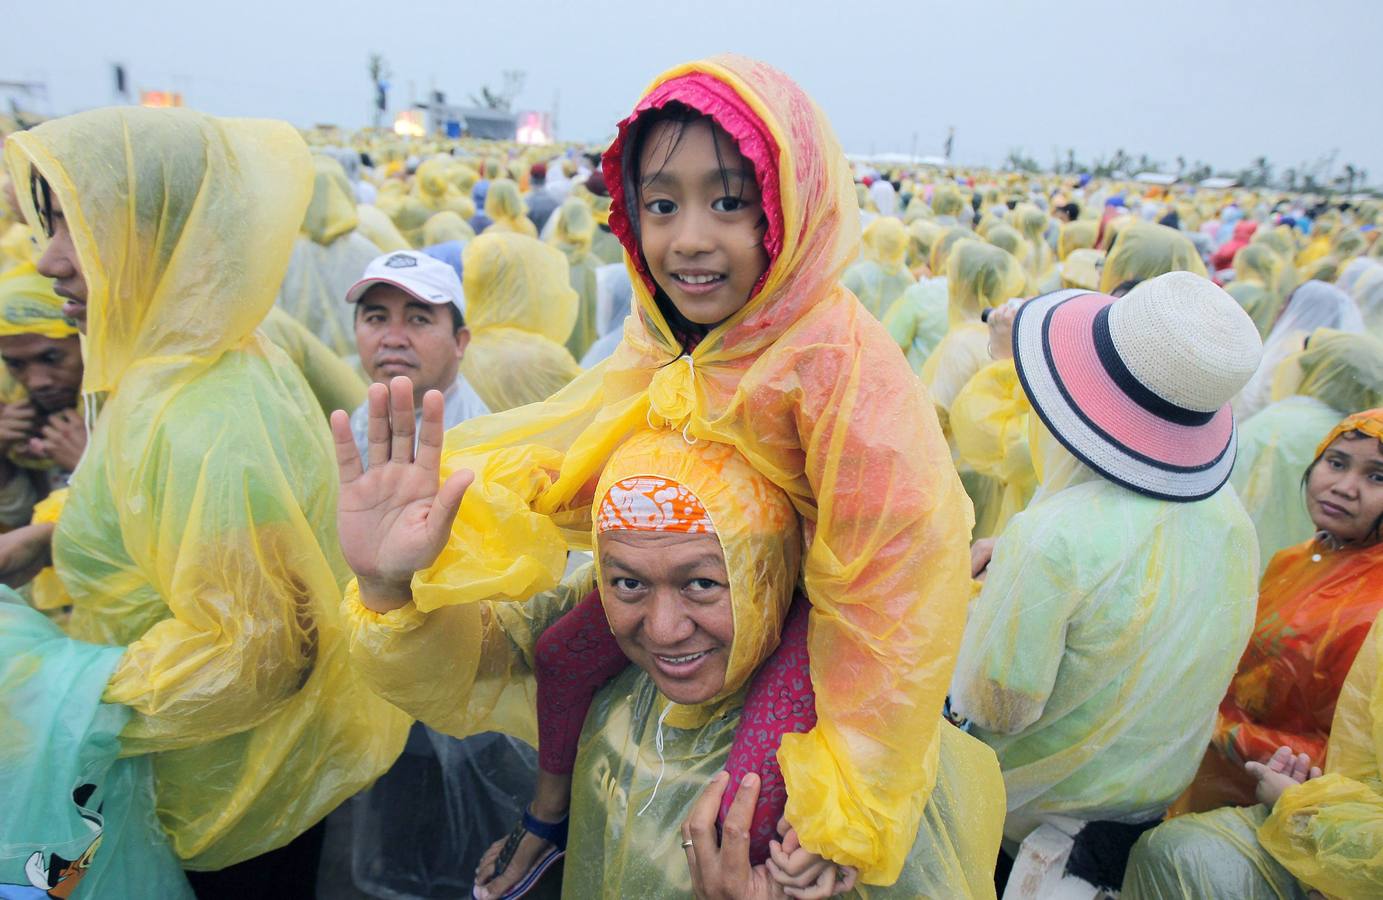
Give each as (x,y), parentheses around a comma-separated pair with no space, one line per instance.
(653,503)
(1369,422)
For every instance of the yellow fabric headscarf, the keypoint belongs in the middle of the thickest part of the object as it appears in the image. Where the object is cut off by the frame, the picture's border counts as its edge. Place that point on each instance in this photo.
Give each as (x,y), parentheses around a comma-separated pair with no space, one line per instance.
(29,306)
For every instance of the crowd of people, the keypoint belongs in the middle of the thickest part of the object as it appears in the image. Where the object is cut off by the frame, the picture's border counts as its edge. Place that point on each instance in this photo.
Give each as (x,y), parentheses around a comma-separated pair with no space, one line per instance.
(705,514)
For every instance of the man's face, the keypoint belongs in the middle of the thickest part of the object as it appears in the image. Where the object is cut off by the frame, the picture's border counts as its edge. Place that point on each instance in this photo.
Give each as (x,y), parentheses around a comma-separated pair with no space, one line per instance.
(50,369)
(59,262)
(397,334)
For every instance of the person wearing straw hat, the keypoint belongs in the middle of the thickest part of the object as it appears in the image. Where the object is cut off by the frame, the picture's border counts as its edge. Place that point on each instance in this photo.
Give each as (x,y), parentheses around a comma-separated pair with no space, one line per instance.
(1114,607)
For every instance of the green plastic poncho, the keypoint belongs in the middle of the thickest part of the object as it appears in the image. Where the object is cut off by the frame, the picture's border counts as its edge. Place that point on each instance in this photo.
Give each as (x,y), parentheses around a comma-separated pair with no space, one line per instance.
(642,760)
(1106,634)
(572,235)
(918,320)
(1326,834)
(78,821)
(199,534)
(882,275)
(327,259)
(1338,373)
(1144,251)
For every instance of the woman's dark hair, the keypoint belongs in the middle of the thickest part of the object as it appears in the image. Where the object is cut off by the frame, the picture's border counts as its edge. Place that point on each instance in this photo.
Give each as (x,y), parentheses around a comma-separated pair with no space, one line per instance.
(1377,529)
(680,115)
(42,196)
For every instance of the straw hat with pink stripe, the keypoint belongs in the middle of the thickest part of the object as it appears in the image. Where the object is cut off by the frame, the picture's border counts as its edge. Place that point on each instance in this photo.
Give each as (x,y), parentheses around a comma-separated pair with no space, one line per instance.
(1139,388)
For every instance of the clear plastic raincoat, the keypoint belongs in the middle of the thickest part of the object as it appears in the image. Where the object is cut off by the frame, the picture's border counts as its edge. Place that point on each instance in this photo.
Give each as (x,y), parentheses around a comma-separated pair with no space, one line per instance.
(1102,641)
(642,760)
(1313,305)
(882,275)
(1338,372)
(785,381)
(520,309)
(327,259)
(199,534)
(918,320)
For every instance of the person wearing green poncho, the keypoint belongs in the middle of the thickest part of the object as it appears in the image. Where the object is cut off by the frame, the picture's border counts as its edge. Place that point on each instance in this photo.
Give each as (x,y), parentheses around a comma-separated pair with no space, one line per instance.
(1116,605)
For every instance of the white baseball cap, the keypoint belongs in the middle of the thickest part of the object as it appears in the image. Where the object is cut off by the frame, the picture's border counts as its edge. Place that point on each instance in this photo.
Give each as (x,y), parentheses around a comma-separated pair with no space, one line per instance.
(417,274)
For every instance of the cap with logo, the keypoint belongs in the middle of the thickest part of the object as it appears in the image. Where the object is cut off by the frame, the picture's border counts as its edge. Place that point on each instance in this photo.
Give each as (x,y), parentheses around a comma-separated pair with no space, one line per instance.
(415,273)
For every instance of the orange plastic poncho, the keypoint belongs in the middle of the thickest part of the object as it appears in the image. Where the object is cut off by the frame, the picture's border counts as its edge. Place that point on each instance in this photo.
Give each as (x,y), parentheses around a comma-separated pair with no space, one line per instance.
(1314,609)
(813,391)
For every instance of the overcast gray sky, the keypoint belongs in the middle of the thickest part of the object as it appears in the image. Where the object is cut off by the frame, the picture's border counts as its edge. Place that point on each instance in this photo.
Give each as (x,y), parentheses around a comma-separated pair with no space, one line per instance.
(1207,79)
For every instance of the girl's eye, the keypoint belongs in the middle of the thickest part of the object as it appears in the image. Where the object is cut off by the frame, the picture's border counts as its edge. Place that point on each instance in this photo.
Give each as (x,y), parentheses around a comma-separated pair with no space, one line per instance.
(662,207)
(1335,464)
(729,204)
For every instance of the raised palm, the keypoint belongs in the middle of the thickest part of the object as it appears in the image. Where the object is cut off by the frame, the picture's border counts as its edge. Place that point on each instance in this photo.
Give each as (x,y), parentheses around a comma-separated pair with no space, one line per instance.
(393,518)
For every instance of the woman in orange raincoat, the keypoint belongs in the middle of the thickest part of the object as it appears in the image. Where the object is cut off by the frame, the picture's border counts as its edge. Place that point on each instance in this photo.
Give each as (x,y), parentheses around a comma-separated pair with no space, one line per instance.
(1316,604)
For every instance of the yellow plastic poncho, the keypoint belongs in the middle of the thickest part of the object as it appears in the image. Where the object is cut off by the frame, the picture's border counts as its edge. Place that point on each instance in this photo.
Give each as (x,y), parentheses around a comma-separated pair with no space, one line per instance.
(504,205)
(1106,634)
(328,257)
(379,229)
(1082,269)
(1326,834)
(573,235)
(1338,373)
(446,226)
(333,381)
(1257,285)
(978,277)
(1368,293)
(520,309)
(435,186)
(989,424)
(858,450)
(409,217)
(1032,223)
(200,530)
(628,759)
(1076,236)
(1145,251)
(922,236)
(882,275)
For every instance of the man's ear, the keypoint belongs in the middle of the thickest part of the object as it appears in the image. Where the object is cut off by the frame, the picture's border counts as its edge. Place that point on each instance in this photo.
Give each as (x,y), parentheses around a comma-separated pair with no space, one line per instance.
(463,340)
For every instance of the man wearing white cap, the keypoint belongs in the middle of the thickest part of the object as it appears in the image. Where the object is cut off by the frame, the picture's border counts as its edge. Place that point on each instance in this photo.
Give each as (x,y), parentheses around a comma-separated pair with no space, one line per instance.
(410,320)
(1117,605)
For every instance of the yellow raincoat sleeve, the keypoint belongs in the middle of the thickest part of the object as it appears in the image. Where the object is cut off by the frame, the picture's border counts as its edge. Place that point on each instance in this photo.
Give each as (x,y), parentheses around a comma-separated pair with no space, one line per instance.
(887,571)
(47,592)
(1328,832)
(460,669)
